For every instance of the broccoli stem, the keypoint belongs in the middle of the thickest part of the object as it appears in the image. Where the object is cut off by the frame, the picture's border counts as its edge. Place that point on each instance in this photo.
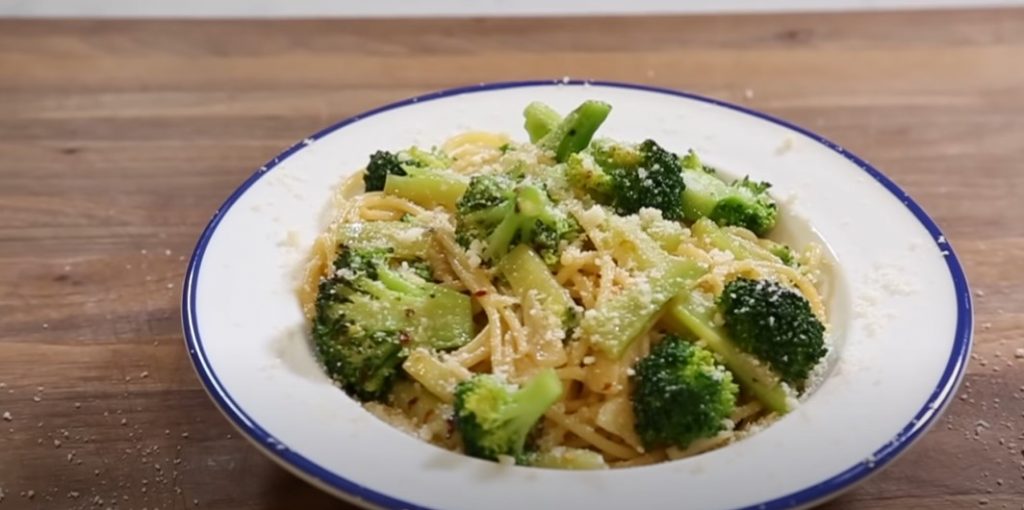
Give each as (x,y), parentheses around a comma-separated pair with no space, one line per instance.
(435,316)
(702,193)
(531,401)
(526,272)
(647,251)
(567,458)
(614,324)
(620,319)
(668,240)
(688,314)
(446,319)
(400,237)
(500,240)
(574,133)
(428,189)
(531,204)
(541,119)
(716,237)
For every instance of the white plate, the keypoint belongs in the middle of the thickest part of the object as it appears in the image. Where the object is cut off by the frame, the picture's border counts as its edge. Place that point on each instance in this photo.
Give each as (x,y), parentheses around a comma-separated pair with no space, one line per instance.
(900,311)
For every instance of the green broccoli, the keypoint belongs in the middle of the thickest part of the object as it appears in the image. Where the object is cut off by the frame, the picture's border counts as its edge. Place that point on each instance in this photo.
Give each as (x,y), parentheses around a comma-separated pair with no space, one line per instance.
(669,234)
(565,136)
(630,178)
(372,309)
(613,324)
(680,394)
(744,203)
(774,323)
(502,213)
(693,314)
(405,238)
(527,274)
(385,163)
(495,417)
(422,177)
(541,119)
(782,251)
(714,236)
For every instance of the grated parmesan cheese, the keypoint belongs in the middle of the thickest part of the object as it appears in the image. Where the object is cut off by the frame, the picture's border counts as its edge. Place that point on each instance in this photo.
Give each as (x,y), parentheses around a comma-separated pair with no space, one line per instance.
(592,217)
(720,256)
(784,147)
(474,253)
(883,282)
(291,240)
(410,235)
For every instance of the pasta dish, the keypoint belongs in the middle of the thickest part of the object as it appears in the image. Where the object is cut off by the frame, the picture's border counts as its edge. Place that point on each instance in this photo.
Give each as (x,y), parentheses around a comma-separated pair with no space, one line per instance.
(569,302)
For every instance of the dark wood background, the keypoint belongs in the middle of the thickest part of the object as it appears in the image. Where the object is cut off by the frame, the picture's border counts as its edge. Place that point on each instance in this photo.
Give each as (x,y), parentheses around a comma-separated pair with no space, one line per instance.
(118,139)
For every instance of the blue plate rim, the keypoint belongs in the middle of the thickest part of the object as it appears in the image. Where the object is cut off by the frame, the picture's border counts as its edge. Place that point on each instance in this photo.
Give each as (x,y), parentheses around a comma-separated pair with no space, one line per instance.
(820,491)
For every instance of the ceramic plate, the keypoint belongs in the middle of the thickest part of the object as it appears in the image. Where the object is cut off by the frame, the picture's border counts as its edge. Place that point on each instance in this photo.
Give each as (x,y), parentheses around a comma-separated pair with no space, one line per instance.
(899,307)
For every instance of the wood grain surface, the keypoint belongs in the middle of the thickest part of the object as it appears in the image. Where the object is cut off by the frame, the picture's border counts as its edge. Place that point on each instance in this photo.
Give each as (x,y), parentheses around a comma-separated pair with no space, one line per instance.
(119,139)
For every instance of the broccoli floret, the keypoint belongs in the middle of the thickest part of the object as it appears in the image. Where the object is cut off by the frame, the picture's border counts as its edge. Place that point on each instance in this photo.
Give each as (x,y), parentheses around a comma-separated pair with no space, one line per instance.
(680,394)
(365,364)
(502,213)
(784,253)
(585,175)
(495,417)
(630,178)
(748,205)
(744,203)
(774,323)
(372,309)
(382,164)
(415,174)
(565,136)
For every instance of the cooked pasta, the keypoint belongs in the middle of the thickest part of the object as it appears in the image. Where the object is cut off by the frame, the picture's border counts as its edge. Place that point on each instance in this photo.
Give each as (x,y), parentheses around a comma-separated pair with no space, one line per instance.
(626,273)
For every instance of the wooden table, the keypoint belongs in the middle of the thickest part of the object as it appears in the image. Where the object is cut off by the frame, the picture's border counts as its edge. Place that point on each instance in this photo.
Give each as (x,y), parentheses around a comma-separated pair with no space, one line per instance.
(119,139)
